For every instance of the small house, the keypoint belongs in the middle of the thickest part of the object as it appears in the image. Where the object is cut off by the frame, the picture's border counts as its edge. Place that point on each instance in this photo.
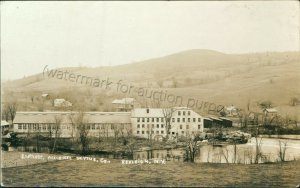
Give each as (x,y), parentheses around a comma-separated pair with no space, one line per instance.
(270,112)
(125,104)
(4,127)
(62,103)
(45,96)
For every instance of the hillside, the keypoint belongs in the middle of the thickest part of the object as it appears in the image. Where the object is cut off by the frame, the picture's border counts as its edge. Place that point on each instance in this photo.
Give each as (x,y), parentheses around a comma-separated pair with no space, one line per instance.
(201,74)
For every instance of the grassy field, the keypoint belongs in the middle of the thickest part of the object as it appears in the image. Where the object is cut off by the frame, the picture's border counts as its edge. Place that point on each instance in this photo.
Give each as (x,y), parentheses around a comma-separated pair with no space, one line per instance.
(89,173)
(211,76)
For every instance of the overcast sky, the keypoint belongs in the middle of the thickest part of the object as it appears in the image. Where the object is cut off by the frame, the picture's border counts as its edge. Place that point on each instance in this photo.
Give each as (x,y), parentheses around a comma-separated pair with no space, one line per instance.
(90,33)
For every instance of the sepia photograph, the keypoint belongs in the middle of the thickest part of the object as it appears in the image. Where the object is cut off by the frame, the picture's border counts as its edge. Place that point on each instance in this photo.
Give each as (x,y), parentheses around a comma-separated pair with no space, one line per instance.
(150,93)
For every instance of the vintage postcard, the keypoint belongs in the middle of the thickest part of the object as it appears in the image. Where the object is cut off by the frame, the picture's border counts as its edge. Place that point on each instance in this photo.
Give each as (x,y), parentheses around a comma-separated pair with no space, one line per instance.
(150,93)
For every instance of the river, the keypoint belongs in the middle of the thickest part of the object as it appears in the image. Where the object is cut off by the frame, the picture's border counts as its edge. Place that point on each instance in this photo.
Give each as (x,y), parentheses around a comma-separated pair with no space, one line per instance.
(245,153)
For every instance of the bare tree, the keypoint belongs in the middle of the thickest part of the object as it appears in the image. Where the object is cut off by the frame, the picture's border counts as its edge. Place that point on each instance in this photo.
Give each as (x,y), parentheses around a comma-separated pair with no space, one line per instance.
(81,126)
(9,112)
(294,101)
(282,150)
(37,130)
(174,82)
(5,113)
(192,148)
(168,113)
(258,153)
(57,131)
(160,83)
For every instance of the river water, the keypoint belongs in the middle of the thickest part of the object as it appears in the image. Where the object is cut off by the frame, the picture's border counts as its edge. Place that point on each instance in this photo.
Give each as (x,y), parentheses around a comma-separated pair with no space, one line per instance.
(242,153)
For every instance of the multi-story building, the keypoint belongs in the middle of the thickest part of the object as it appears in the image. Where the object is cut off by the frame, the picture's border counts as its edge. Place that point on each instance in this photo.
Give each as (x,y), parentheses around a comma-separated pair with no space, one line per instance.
(151,122)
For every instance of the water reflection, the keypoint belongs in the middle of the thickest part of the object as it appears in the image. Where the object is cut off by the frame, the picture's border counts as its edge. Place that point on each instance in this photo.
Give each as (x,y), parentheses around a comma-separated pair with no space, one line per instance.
(243,153)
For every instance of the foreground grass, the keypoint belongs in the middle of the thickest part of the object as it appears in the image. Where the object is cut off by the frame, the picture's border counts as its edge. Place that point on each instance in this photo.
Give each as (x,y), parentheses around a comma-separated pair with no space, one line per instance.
(88,173)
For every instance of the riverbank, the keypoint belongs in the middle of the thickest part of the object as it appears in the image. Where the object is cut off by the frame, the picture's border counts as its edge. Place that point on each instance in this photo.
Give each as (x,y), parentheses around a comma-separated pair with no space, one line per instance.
(89,173)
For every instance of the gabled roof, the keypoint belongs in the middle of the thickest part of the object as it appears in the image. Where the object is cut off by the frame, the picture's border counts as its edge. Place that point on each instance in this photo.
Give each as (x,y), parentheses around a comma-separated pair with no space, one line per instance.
(270,110)
(142,112)
(225,118)
(124,101)
(3,122)
(230,108)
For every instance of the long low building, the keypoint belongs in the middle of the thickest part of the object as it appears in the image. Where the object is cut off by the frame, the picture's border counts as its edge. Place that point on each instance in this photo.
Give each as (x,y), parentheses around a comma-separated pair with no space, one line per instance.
(97,123)
(140,122)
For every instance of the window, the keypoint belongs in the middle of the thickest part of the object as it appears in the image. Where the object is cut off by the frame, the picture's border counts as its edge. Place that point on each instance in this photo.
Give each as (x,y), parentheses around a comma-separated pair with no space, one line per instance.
(173,119)
(180,126)
(157,119)
(143,126)
(189,119)
(162,119)
(152,132)
(143,132)
(179,113)
(199,126)
(24,126)
(152,119)
(157,125)
(138,125)
(183,119)
(137,132)
(148,119)
(93,126)
(162,125)
(19,126)
(178,119)
(138,119)
(183,113)
(187,126)
(143,119)
(157,132)
(199,119)
(44,127)
(147,132)
(182,132)
(189,113)
(194,119)
(112,126)
(162,132)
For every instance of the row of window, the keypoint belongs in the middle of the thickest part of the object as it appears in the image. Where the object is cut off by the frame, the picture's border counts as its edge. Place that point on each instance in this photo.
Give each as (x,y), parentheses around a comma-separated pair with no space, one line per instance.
(150,119)
(143,126)
(187,126)
(36,126)
(148,132)
(187,119)
(173,119)
(183,113)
